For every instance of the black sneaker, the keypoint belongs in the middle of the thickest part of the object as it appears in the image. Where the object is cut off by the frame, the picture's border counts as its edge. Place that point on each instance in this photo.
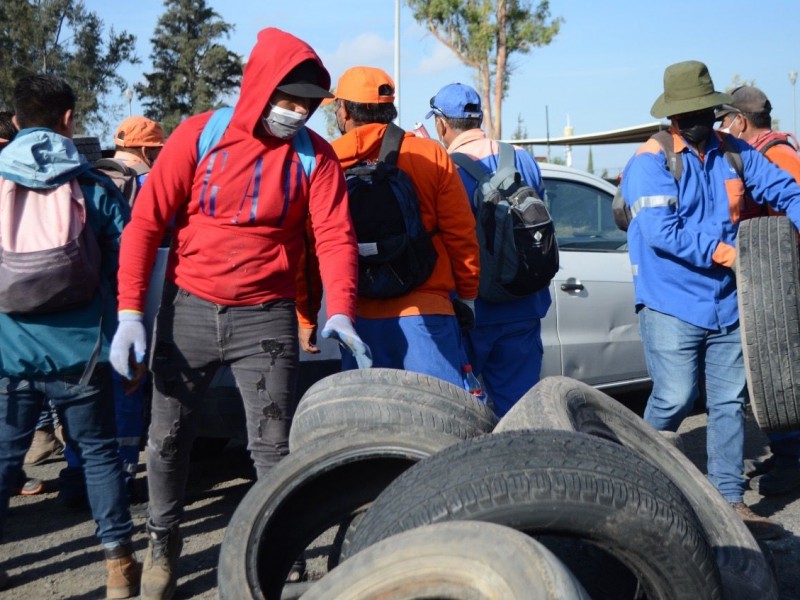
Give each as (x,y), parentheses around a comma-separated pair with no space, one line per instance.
(779,480)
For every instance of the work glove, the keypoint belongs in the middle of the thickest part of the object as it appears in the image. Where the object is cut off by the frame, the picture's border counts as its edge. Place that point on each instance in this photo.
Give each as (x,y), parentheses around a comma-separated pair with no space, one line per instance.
(130,333)
(465,314)
(340,328)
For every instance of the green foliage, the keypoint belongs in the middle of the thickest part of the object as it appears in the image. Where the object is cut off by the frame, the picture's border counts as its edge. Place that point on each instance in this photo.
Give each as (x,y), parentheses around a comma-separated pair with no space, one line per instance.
(484,34)
(590,164)
(192,71)
(61,37)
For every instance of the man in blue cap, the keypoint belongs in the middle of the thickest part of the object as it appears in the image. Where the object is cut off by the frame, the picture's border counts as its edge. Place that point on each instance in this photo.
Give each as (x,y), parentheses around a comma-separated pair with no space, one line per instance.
(505,346)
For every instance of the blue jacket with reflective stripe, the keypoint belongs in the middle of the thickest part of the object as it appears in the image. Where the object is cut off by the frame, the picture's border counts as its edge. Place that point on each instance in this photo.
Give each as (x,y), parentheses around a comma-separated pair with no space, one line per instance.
(672,244)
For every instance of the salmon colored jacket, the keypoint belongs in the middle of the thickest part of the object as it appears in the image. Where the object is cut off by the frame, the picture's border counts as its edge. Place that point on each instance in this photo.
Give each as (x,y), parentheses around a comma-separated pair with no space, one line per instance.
(444,208)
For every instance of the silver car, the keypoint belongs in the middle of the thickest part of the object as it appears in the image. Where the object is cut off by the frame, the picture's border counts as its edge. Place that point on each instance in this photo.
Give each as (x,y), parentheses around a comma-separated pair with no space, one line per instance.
(591,331)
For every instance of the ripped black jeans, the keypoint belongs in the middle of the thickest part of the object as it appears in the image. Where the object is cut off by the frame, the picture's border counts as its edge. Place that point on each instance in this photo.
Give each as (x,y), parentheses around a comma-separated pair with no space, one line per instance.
(193,337)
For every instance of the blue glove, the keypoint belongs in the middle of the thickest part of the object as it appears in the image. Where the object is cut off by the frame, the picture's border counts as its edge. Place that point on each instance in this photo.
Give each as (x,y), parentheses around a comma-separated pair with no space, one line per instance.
(130,333)
(340,328)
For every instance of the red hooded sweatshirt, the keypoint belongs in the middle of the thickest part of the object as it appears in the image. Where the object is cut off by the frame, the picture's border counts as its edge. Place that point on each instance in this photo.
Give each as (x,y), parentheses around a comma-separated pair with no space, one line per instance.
(240,214)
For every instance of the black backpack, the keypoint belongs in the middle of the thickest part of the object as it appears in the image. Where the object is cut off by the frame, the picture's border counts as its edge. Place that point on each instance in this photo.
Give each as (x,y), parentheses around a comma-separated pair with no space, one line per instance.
(395,253)
(517,238)
(619,206)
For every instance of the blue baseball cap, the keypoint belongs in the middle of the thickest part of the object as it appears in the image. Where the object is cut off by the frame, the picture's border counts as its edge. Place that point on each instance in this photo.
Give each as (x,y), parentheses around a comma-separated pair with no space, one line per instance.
(456,101)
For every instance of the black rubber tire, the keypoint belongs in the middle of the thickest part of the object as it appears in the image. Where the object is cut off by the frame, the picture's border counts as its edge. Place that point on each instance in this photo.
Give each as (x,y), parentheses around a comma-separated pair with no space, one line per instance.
(466,560)
(345,532)
(768,282)
(570,405)
(372,398)
(308,492)
(558,482)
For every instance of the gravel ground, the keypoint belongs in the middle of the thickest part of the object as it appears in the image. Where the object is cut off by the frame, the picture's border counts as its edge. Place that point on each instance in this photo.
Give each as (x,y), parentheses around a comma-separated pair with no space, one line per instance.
(51,552)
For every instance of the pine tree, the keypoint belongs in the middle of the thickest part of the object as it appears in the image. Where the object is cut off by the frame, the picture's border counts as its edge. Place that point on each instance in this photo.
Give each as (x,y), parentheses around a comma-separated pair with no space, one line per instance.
(61,37)
(192,71)
(590,166)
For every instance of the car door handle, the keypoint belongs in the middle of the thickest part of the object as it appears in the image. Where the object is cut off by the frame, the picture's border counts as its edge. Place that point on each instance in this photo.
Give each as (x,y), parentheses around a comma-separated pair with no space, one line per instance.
(572,285)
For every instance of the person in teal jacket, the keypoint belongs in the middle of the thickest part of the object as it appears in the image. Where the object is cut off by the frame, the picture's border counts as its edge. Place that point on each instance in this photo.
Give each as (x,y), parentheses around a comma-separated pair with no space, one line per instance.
(682,249)
(49,356)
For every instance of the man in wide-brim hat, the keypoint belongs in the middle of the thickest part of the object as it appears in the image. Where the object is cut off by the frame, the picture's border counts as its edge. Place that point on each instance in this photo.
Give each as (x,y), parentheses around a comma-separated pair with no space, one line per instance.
(686,201)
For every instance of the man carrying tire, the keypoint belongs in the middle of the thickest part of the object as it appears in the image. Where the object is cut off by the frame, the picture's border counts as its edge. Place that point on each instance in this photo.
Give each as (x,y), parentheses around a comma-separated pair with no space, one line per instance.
(683,256)
(749,118)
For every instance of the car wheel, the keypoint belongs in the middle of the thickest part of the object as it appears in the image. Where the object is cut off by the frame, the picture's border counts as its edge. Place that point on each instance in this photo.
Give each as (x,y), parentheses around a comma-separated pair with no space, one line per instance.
(305,494)
(452,560)
(557,483)
(570,405)
(372,398)
(768,285)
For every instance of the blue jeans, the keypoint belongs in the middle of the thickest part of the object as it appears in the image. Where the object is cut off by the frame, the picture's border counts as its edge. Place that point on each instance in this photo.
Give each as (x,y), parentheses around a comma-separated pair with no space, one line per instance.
(427,344)
(192,339)
(508,357)
(87,415)
(679,355)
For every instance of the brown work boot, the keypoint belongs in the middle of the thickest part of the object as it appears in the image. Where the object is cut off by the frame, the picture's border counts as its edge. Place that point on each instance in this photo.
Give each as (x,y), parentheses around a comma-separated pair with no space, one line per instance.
(160,576)
(762,528)
(124,572)
(43,446)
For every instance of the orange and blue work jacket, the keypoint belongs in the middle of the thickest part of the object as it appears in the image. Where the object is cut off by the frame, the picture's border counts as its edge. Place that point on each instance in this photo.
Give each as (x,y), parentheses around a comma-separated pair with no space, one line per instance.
(683,234)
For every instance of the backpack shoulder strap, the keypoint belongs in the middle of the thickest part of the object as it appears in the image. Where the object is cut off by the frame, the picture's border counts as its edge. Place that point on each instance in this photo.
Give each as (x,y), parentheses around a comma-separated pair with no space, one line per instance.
(109,164)
(775,142)
(732,155)
(390,145)
(674,161)
(305,150)
(474,168)
(506,157)
(213,131)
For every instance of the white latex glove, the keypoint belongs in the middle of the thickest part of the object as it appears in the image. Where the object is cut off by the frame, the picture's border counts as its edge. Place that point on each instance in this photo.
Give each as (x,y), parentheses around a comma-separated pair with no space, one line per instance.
(340,328)
(130,333)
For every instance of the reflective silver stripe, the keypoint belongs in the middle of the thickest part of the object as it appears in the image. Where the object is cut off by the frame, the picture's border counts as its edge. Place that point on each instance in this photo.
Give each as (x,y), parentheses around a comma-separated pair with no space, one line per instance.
(652,202)
(635,270)
(129,441)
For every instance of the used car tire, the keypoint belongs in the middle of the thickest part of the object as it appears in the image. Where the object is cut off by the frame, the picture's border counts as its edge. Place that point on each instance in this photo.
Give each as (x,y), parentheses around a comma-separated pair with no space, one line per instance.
(306,493)
(558,482)
(570,405)
(768,286)
(381,397)
(461,559)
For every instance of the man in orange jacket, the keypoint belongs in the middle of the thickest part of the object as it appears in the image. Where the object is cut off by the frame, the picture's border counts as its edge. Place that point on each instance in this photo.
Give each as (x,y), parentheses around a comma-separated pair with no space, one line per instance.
(749,117)
(418,330)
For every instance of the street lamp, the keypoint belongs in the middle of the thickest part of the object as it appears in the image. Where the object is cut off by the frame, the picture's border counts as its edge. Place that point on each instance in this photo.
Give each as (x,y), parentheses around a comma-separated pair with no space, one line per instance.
(128,93)
(793,81)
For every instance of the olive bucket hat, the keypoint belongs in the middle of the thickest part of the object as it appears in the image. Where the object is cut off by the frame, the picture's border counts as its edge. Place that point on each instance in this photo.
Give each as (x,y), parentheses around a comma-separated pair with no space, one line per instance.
(687,88)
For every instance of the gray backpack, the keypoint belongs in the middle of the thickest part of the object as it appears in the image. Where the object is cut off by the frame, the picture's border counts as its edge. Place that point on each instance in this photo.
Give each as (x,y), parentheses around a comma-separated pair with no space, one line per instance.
(517,238)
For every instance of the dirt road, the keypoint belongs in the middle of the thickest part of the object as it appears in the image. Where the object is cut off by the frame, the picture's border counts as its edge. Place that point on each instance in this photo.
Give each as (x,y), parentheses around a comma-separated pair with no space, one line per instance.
(51,552)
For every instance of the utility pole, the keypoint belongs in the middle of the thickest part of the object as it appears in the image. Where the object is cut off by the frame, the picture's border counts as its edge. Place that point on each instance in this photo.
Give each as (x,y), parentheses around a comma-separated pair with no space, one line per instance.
(128,93)
(793,81)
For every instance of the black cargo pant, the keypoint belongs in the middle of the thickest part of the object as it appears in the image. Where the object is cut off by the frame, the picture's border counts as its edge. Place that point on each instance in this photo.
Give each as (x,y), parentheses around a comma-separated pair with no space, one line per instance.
(194,337)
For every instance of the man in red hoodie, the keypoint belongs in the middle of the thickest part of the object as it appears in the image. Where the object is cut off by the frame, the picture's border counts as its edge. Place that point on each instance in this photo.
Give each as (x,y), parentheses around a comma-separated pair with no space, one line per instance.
(240,213)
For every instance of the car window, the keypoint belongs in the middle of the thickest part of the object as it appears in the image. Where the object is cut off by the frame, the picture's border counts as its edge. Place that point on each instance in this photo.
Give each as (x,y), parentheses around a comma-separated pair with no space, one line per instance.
(583,218)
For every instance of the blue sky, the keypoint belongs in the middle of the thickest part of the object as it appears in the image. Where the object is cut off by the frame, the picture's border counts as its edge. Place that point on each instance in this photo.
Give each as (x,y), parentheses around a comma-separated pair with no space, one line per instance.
(603,71)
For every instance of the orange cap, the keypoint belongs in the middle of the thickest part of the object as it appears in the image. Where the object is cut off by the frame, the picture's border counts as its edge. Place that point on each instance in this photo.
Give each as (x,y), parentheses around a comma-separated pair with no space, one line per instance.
(362,85)
(135,132)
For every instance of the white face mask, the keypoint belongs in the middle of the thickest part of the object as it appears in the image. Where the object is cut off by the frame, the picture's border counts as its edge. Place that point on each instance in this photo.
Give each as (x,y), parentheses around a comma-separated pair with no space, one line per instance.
(282,122)
(728,128)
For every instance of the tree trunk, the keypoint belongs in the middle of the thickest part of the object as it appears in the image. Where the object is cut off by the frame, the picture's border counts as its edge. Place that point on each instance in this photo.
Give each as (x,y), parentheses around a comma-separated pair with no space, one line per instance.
(500,70)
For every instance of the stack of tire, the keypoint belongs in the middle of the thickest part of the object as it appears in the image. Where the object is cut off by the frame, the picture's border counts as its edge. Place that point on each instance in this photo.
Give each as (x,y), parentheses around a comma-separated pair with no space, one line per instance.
(569,496)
